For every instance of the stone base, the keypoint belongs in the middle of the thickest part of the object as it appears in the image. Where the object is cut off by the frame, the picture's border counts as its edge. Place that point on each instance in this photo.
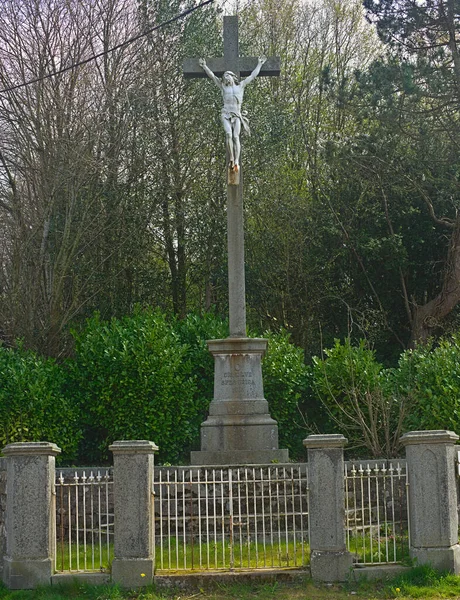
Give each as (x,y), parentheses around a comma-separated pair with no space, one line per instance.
(26,574)
(132,572)
(239,428)
(331,567)
(239,457)
(87,578)
(444,559)
(239,433)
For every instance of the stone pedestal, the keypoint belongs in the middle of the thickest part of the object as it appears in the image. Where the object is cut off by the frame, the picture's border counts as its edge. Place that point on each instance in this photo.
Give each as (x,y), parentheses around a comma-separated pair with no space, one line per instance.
(30,514)
(433,498)
(239,429)
(330,561)
(133,564)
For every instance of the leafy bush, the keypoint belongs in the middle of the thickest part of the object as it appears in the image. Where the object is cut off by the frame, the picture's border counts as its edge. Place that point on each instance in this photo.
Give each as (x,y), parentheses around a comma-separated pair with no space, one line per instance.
(430,376)
(33,406)
(133,380)
(194,331)
(285,377)
(361,397)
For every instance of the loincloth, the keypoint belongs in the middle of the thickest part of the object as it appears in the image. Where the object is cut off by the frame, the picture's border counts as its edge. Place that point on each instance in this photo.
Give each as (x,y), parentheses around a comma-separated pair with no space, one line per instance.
(232,116)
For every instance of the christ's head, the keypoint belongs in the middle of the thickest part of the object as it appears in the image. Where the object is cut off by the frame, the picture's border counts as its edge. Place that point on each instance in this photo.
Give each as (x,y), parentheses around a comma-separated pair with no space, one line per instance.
(229,78)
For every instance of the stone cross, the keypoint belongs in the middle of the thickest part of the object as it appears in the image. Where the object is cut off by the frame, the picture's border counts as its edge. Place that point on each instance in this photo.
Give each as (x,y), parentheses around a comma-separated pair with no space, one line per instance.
(239,429)
(241,66)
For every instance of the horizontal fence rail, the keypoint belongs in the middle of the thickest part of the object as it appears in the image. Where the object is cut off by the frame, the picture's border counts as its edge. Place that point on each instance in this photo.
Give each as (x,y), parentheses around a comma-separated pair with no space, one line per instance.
(231,518)
(84,521)
(376,511)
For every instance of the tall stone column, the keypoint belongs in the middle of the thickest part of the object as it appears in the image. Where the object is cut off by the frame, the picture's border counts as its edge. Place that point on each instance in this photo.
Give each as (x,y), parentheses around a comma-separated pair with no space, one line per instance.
(133,461)
(330,561)
(30,514)
(433,498)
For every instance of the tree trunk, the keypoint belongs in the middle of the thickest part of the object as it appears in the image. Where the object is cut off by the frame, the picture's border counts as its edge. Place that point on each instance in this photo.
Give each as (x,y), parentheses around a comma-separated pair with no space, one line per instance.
(427,318)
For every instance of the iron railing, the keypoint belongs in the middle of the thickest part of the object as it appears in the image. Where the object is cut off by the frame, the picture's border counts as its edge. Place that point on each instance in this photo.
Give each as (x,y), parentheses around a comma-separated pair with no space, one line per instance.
(231,517)
(376,511)
(84,521)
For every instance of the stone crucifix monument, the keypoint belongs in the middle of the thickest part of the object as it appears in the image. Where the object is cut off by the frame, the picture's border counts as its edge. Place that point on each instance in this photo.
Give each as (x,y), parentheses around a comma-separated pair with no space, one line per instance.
(239,429)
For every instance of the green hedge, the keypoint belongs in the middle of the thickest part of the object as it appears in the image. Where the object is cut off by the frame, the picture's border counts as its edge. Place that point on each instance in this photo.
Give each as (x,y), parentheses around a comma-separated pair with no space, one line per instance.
(33,402)
(430,377)
(132,378)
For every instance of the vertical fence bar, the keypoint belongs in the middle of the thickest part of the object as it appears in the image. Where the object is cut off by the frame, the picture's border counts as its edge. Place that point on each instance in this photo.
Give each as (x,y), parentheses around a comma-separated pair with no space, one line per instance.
(230,502)
(271,515)
(376,470)
(278,511)
(248,516)
(184,521)
(192,535)
(69,512)
(206,512)
(240,517)
(262,503)
(393,520)
(224,558)
(176,518)
(294,528)
(254,493)
(77,518)
(61,494)
(385,512)
(83,487)
(286,531)
(199,519)
(302,535)
(160,510)
(214,514)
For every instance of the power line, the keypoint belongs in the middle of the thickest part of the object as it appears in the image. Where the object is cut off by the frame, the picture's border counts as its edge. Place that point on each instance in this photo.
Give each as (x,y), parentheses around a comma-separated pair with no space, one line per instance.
(117,47)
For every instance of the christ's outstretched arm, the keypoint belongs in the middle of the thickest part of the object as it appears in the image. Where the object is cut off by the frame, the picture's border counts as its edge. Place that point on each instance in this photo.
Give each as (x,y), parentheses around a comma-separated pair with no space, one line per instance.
(209,73)
(256,71)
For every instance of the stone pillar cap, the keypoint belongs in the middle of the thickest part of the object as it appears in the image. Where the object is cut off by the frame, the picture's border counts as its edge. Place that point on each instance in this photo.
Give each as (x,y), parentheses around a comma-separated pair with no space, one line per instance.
(133,447)
(31,449)
(235,345)
(434,436)
(333,440)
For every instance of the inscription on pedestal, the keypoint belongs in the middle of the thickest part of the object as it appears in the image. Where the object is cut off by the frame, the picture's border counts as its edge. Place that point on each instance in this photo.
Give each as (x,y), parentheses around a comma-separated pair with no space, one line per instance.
(237,378)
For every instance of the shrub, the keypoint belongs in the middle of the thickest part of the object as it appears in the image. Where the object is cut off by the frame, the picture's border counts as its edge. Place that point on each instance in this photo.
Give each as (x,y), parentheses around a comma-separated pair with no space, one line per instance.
(33,406)
(133,380)
(430,376)
(361,398)
(285,377)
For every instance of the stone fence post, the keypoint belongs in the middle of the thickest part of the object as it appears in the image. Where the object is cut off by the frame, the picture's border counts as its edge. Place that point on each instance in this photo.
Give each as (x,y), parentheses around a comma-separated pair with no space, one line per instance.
(30,514)
(330,561)
(133,462)
(433,518)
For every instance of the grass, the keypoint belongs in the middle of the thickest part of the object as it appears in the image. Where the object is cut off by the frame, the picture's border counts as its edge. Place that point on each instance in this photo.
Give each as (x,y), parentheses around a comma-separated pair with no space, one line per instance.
(219,556)
(213,556)
(379,548)
(419,582)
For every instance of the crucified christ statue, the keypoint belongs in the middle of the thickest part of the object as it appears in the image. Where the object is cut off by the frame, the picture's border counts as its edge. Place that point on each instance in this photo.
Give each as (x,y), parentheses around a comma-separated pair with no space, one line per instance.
(232,116)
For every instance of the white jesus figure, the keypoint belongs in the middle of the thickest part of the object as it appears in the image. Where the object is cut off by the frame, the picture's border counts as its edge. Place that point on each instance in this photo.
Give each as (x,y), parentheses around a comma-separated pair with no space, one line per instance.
(232,117)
